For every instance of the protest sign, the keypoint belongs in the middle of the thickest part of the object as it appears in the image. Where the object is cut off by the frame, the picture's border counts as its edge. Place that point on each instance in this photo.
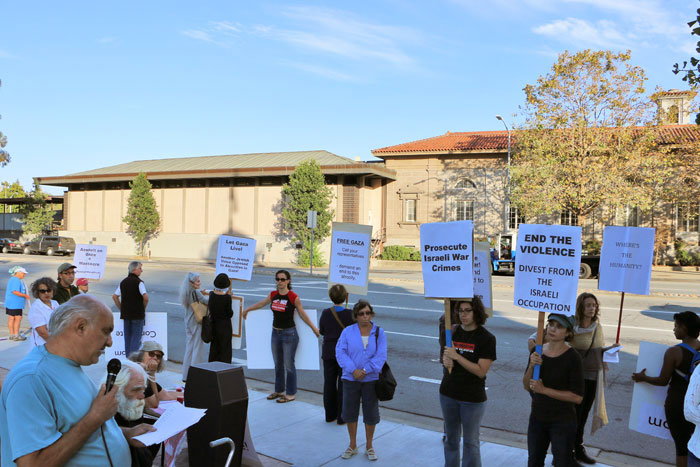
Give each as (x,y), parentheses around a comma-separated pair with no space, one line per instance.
(447,259)
(235,257)
(258,325)
(90,261)
(625,259)
(482,275)
(237,322)
(547,267)
(647,413)
(155,329)
(350,252)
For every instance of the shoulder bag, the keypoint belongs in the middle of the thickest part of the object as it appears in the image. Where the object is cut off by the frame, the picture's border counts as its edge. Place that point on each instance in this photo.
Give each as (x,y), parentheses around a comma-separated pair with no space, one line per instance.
(207,328)
(386,384)
(198,308)
(335,315)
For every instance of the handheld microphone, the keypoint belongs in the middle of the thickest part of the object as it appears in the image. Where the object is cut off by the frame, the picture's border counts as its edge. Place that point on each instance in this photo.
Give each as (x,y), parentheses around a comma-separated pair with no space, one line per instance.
(113,368)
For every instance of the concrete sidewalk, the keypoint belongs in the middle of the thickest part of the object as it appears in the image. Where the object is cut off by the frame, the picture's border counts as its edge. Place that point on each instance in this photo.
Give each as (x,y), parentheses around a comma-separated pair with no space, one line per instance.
(296,433)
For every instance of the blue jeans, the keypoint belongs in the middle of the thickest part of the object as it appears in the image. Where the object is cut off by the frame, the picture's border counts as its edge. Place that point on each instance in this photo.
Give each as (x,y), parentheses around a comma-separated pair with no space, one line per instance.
(692,460)
(133,329)
(562,436)
(356,392)
(462,419)
(284,348)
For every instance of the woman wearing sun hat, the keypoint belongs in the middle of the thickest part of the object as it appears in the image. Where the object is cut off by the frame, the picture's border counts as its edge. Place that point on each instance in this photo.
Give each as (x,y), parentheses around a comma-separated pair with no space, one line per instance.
(221,312)
(15,299)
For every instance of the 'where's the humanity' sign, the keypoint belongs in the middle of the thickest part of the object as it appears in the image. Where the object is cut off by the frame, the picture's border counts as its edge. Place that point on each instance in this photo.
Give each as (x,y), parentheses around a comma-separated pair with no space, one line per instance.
(547,266)
(446,257)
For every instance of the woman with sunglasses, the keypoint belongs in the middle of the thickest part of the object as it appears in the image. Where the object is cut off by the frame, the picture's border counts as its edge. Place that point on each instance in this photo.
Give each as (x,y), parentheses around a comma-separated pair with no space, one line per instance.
(150,357)
(463,391)
(283,302)
(40,311)
(361,353)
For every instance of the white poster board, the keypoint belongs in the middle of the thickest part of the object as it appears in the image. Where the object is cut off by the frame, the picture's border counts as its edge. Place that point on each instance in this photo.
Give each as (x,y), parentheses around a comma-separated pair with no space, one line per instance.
(350,252)
(548,259)
(647,411)
(90,261)
(235,257)
(447,259)
(155,329)
(625,259)
(237,322)
(482,275)
(258,329)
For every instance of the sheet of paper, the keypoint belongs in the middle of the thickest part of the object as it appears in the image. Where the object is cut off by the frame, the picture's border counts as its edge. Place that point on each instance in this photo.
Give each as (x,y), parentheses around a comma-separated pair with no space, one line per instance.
(612,355)
(175,419)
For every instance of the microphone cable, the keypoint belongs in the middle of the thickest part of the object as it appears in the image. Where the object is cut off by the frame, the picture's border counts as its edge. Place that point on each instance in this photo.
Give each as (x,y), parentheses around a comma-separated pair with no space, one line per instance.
(102,432)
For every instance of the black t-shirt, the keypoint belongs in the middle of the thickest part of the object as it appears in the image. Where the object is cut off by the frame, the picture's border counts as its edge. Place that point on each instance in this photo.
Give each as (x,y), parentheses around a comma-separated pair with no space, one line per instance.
(461,384)
(220,307)
(282,307)
(331,330)
(563,373)
(148,392)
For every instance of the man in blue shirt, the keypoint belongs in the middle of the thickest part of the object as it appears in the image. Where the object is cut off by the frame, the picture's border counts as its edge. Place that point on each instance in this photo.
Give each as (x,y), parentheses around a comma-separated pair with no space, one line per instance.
(50,411)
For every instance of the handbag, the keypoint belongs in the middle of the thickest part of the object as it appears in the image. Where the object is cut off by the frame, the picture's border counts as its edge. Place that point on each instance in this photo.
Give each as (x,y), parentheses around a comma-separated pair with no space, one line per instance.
(386,384)
(207,328)
(198,308)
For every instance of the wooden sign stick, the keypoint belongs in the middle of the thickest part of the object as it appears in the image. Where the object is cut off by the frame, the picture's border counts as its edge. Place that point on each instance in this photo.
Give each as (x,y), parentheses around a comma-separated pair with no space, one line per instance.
(448,325)
(538,343)
(619,319)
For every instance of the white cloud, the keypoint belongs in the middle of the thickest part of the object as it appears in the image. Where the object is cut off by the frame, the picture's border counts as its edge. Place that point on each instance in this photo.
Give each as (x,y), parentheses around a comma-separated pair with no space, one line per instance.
(198,34)
(106,40)
(603,33)
(324,72)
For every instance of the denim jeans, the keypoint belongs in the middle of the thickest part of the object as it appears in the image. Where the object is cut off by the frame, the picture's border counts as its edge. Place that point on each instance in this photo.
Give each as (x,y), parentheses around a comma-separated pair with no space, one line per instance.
(284,348)
(692,460)
(560,434)
(360,392)
(462,419)
(133,329)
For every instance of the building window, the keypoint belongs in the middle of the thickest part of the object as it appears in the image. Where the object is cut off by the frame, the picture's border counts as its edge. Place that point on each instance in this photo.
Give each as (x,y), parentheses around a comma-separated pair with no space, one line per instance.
(465,183)
(568,218)
(627,216)
(515,218)
(687,215)
(409,210)
(464,210)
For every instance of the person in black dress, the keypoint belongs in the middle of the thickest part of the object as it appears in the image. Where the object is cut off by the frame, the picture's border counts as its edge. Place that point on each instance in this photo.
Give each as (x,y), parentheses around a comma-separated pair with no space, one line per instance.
(331,324)
(221,312)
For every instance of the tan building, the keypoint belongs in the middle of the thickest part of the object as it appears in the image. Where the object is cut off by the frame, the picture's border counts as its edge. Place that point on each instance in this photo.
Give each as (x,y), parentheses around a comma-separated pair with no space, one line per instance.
(200,198)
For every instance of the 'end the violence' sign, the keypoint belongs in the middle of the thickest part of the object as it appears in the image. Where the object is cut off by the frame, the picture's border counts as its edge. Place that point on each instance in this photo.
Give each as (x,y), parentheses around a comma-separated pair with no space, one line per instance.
(350,251)
(547,266)
(625,259)
(446,257)
(235,257)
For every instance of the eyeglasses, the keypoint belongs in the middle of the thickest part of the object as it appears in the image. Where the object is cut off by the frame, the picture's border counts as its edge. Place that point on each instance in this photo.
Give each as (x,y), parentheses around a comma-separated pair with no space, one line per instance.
(462,310)
(69,273)
(281,279)
(155,354)
(364,313)
(44,290)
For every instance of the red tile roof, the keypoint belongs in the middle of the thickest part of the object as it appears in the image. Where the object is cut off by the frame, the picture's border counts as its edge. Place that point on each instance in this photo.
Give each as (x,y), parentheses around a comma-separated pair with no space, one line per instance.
(488,141)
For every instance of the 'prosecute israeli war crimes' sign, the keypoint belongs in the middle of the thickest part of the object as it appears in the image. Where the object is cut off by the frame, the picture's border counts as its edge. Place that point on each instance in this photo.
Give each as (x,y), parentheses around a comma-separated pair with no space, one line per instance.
(447,257)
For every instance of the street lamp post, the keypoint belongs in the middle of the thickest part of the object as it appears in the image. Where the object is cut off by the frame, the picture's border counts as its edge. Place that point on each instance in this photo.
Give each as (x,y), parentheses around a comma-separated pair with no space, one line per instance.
(507,201)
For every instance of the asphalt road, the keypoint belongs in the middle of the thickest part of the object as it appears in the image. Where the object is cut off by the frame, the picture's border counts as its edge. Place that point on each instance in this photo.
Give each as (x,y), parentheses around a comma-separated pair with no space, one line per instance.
(411,325)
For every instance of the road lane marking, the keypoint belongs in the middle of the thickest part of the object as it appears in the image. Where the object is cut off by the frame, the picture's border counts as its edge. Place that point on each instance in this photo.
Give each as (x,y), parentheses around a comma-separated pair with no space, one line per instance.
(409,335)
(425,380)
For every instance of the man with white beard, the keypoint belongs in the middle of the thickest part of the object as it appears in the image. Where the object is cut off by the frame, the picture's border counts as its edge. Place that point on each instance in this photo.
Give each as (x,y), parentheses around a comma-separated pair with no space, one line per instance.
(132,379)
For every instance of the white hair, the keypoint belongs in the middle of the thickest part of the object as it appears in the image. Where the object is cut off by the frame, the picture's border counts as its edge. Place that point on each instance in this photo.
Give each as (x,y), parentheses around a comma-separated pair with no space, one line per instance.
(124,374)
(134,265)
(80,306)
(186,289)
(130,409)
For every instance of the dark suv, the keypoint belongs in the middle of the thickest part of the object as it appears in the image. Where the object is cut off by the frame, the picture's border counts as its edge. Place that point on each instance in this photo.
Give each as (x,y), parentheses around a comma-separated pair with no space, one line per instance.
(50,245)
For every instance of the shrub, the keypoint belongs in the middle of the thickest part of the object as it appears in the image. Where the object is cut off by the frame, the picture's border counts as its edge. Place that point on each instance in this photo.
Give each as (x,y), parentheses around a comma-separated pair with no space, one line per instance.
(400,253)
(592,247)
(303,258)
(685,257)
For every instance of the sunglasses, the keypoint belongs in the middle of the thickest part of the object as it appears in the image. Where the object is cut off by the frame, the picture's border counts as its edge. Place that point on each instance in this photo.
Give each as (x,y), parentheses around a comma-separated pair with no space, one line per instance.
(155,354)
(281,279)
(44,290)
(364,313)
(462,310)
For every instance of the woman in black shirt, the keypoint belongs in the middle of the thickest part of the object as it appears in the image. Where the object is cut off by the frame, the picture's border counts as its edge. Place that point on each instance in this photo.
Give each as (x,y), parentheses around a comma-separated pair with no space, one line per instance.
(462,391)
(555,395)
(221,312)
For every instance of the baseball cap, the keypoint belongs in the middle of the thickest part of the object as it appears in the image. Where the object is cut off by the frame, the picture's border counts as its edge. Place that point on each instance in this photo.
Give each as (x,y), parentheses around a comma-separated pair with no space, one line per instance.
(566,321)
(152,346)
(15,269)
(65,266)
(81,281)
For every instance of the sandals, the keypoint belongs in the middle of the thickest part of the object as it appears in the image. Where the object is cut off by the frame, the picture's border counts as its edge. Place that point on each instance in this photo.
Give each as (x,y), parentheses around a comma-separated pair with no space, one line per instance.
(284,399)
(349,452)
(371,455)
(275,395)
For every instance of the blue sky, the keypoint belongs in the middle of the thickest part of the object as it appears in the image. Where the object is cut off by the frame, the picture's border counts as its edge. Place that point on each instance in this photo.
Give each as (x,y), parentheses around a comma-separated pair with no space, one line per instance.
(92,84)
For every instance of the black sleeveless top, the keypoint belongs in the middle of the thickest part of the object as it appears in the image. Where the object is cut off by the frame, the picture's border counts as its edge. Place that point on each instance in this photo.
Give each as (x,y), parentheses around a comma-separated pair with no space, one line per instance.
(678,385)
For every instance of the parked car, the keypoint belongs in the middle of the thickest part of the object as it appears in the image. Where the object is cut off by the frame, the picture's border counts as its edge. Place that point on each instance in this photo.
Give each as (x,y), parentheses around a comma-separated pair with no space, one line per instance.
(11,245)
(50,245)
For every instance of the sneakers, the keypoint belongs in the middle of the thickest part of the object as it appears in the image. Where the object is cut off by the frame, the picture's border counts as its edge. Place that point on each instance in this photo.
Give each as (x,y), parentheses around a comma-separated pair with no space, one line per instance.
(581,456)
(349,452)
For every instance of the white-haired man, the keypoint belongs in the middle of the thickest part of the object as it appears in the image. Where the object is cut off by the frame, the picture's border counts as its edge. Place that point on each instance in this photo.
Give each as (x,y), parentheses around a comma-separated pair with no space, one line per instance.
(132,380)
(131,299)
(51,413)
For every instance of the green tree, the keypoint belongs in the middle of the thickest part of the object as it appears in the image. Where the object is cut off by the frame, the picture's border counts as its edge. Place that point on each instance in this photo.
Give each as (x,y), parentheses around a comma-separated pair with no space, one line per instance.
(307,191)
(142,215)
(4,155)
(11,190)
(37,213)
(588,138)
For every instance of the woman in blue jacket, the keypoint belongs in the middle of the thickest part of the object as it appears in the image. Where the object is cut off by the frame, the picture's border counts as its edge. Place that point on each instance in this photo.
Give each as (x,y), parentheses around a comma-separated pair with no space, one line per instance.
(361,353)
